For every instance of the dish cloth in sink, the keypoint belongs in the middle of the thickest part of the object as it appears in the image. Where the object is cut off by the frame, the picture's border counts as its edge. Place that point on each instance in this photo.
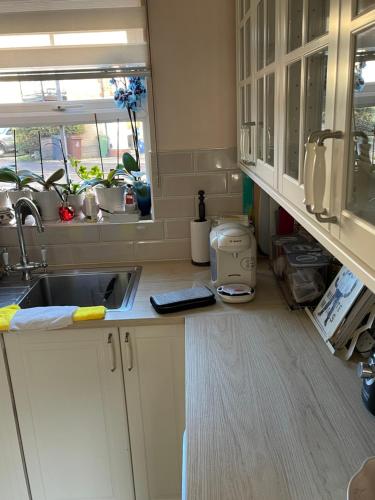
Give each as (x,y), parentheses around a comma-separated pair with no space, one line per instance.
(14,318)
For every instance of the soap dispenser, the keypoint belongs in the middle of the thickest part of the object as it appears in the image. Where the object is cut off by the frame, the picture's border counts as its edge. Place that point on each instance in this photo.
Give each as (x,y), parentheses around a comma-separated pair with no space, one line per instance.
(366,371)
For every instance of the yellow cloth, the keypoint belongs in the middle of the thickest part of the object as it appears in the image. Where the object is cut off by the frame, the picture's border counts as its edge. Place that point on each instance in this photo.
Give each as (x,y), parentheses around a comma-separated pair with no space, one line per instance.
(6,315)
(87,313)
(81,314)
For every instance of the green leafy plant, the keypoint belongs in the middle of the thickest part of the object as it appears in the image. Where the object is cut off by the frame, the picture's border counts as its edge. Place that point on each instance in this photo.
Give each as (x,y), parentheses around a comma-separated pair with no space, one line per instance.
(51,181)
(72,188)
(112,179)
(129,164)
(22,178)
(93,176)
(86,173)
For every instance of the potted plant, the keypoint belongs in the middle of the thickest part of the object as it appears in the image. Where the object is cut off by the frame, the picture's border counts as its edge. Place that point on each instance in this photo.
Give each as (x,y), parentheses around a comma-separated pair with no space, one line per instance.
(110,190)
(129,95)
(74,195)
(21,179)
(141,186)
(73,192)
(49,199)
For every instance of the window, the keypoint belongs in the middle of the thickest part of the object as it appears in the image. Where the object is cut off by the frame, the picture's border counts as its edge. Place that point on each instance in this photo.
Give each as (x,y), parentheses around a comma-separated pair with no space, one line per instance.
(57,111)
(60,93)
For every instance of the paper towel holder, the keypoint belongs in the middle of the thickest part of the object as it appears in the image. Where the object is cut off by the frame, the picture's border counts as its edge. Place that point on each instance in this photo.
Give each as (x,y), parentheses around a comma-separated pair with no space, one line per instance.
(200,235)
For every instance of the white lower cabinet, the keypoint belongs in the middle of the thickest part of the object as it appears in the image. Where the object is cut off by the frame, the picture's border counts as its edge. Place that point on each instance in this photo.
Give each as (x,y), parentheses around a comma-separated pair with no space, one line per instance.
(12,476)
(69,394)
(154,370)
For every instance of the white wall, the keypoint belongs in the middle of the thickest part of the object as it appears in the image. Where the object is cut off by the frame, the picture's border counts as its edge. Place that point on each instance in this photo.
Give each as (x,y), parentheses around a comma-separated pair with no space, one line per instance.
(193,62)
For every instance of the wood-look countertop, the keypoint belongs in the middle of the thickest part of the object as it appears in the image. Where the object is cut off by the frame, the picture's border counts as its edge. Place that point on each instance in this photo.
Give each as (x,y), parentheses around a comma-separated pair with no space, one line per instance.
(161,277)
(270,413)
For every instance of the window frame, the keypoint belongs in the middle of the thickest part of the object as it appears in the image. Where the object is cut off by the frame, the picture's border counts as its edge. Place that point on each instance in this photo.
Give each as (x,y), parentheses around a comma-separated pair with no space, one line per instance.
(60,113)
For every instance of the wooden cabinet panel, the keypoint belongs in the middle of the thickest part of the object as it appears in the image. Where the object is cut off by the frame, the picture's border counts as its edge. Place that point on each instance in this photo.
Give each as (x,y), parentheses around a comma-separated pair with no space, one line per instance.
(12,477)
(154,370)
(70,400)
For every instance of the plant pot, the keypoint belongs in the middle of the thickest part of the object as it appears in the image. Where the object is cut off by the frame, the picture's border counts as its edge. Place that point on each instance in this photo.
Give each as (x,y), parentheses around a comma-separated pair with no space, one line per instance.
(143,198)
(111,199)
(4,200)
(76,201)
(15,195)
(48,204)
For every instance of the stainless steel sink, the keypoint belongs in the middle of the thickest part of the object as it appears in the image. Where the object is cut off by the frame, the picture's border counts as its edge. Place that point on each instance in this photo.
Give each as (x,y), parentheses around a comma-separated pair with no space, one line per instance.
(114,289)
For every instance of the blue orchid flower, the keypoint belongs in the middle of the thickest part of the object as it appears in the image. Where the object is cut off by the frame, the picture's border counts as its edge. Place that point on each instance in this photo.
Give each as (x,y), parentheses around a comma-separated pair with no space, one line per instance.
(129,96)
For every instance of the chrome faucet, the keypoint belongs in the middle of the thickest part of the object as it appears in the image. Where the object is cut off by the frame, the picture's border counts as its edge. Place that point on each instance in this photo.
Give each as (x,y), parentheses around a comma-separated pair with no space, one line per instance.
(25,266)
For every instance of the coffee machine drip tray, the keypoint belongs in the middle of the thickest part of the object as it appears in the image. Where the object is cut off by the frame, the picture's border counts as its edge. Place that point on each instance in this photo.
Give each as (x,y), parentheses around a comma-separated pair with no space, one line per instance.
(236,293)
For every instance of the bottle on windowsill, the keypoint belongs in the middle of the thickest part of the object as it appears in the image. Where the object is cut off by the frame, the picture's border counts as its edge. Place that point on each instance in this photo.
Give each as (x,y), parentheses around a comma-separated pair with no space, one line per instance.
(130,200)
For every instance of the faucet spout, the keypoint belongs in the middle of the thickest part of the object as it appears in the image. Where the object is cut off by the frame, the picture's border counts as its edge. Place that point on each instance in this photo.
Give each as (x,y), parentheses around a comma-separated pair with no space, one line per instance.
(25,266)
(33,209)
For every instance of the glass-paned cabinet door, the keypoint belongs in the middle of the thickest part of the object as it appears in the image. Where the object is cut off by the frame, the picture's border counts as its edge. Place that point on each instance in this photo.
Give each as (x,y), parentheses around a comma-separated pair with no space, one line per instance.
(260,34)
(317,18)
(360,195)
(315,93)
(313,14)
(270,119)
(260,119)
(270,32)
(356,111)
(293,102)
(265,15)
(295,24)
(246,125)
(309,62)
(361,6)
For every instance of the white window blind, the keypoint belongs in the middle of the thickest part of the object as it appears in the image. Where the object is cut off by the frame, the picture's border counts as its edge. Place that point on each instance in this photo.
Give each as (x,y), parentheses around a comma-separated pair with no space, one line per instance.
(35,36)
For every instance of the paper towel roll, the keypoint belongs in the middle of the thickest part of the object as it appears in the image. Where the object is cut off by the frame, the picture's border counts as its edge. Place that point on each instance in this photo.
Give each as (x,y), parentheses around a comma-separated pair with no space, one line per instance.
(200,242)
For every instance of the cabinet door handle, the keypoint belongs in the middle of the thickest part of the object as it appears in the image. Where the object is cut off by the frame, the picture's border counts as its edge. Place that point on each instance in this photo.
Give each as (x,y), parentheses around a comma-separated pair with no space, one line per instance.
(308,175)
(128,352)
(315,173)
(112,354)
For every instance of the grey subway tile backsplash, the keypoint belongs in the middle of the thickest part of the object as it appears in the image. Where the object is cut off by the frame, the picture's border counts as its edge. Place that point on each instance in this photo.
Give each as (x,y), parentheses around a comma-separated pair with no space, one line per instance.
(174,207)
(222,205)
(184,185)
(235,182)
(163,250)
(175,229)
(152,230)
(216,160)
(175,204)
(173,162)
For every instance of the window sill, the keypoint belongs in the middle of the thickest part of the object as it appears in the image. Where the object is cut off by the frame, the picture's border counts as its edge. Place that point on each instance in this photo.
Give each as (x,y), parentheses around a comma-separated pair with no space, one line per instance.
(79,223)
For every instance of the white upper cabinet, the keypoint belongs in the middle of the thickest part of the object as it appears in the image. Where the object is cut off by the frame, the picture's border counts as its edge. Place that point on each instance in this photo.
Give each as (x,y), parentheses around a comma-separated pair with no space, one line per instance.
(354,192)
(307,67)
(69,394)
(257,87)
(312,69)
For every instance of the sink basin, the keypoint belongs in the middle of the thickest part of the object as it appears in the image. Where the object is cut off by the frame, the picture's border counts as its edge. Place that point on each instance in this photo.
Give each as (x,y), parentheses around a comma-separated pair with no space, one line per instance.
(112,289)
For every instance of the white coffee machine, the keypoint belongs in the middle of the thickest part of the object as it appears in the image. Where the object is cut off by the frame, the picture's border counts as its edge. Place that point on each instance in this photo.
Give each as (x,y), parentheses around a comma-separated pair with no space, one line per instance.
(233,261)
